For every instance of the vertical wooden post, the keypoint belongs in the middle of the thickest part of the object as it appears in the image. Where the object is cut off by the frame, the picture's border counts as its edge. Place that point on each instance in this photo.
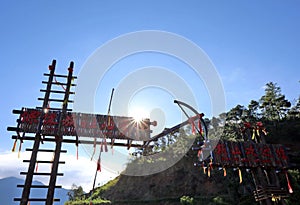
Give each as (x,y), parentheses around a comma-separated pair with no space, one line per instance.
(29,176)
(59,137)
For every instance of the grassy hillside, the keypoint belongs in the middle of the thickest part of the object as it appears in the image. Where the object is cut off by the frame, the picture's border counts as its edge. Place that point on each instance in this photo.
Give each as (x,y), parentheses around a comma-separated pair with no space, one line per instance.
(185,184)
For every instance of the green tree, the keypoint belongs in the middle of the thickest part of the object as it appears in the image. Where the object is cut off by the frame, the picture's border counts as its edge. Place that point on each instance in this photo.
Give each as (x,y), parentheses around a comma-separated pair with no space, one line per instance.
(273,104)
(294,112)
(234,120)
(253,111)
(75,193)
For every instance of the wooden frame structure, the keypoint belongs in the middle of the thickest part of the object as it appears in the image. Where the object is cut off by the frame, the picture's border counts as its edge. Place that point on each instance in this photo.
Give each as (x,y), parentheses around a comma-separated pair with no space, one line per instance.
(51,124)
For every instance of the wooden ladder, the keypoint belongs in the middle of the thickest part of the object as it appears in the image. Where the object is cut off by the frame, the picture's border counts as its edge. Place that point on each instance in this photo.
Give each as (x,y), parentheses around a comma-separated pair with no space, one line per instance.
(38,138)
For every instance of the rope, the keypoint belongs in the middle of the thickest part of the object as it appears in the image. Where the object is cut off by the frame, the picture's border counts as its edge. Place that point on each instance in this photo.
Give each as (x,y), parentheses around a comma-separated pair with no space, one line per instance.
(94,149)
(59,84)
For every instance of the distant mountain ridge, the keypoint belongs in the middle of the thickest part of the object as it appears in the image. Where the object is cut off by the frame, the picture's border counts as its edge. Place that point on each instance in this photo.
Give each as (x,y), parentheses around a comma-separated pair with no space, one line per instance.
(9,191)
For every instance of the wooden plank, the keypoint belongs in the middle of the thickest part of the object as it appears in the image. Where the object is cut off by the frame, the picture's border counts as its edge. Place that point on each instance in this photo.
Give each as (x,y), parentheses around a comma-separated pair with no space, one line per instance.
(54,109)
(58,83)
(47,150)
(56,100)
(57,91)
(36,199)
(17,111)
(80,141)
(13,129)
(41,173)
(44,161)
(39,186)
(60,76)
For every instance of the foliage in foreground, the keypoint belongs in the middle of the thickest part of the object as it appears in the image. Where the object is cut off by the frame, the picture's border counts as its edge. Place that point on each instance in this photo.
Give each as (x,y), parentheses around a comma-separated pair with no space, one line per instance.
(88,202)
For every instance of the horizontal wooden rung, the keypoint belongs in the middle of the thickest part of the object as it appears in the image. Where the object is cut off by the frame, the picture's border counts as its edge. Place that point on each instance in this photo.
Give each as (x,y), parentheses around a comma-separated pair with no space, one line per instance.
(54,109)
(57,91)
(46,150)
(12,129)
(42,173)
(43,161)
(35,199)
(38,186)
(17,111)
(60,76)
(56,100)
(58,83)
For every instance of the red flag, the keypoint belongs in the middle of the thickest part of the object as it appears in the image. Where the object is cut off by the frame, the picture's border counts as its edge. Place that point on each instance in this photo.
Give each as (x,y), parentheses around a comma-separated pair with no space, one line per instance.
(99,165)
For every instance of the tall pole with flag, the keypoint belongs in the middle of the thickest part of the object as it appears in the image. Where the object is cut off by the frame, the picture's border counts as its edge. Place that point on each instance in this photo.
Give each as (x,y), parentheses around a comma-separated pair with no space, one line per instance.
(99,158)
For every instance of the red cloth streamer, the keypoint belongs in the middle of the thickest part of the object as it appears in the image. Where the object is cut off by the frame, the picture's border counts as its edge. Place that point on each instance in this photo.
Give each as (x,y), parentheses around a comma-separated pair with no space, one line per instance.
(191,121)
(288,183)
(204,168)
(20,147)
(209,168)
(14,146)
(193,128)
(99,164)
(105,145)
(101,146)
(199,153)
(36,166)
(240,176)
(200,127)
(77,144)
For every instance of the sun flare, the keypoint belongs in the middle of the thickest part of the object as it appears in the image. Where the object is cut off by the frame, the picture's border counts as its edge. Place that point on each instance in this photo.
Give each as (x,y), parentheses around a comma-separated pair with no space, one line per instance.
(138,113)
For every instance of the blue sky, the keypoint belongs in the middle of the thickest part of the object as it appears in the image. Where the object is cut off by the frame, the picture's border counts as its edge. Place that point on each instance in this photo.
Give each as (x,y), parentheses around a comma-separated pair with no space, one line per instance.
(249,42)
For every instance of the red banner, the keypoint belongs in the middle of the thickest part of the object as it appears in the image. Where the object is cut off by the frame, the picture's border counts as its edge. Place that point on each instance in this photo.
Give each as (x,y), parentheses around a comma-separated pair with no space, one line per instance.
(249,154)
(84,125)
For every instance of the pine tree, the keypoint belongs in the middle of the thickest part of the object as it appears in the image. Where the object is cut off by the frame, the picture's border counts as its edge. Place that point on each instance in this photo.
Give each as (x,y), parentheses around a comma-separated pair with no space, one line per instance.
(273,104)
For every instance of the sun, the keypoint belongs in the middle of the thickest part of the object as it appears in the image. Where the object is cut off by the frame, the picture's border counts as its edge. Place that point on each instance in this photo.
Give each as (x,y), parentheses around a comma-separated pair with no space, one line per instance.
(138,113)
